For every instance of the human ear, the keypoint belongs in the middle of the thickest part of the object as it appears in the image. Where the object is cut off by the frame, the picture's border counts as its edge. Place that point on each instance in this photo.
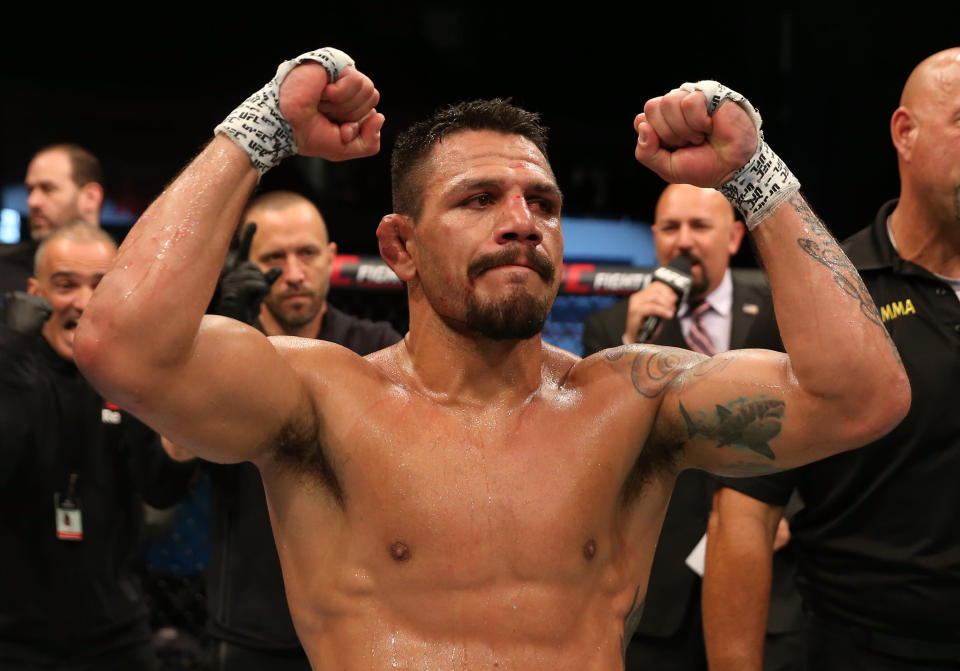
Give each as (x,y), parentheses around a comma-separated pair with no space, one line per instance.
(91,198)
(903,131)
(396,247)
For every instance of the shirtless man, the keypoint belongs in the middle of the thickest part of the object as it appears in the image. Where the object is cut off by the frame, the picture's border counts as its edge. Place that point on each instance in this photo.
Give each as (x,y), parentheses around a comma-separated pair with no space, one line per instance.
(472,497)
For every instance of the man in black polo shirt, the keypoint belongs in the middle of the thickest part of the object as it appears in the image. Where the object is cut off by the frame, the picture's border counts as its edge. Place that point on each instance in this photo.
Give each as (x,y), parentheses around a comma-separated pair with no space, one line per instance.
(73,472)
(279,285)
(878,541)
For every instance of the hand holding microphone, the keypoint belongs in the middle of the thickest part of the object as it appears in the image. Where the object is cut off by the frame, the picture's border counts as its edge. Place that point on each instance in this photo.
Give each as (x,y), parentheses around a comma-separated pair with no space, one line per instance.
(659,300)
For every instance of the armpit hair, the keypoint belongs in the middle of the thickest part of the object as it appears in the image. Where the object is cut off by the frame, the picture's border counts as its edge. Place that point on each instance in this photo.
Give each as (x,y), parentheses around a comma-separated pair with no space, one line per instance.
(653,458)
(300,450)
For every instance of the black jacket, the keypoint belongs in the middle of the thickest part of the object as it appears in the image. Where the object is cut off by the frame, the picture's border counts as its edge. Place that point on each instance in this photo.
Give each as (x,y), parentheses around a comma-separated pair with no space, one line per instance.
(71,600)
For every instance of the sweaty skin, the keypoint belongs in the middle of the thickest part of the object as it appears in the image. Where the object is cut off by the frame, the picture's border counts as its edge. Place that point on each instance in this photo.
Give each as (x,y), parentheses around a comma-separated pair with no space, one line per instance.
(462,501)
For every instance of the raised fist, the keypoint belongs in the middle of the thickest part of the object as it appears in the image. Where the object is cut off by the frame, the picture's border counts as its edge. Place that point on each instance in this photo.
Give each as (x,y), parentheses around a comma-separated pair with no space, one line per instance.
(336,121)
(680,141)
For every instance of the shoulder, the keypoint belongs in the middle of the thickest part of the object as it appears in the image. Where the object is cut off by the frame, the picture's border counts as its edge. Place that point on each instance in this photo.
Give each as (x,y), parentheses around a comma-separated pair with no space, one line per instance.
(326,367)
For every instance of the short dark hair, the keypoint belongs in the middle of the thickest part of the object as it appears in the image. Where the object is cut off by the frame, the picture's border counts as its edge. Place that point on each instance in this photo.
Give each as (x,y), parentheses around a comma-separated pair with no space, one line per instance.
(415,144)
(86,167)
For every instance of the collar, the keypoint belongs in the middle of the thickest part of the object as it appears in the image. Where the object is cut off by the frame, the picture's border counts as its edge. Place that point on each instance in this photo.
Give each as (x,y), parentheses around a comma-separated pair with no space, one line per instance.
(872,248)
(720,299)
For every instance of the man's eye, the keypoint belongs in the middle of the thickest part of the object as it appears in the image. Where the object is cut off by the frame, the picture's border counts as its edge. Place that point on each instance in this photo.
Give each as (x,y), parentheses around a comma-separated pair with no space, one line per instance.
(480,200)
(543,204)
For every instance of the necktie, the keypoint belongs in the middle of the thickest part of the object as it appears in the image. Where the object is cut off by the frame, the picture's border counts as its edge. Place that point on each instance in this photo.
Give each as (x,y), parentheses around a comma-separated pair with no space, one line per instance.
(697,338)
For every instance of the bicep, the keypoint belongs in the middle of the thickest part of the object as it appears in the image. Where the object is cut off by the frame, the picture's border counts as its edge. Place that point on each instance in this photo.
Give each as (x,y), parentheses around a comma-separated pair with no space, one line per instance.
(228,399)
(743,413)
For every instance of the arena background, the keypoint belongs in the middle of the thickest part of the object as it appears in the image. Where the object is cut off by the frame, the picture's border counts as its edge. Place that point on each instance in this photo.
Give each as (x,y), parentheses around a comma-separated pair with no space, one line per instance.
(144,92)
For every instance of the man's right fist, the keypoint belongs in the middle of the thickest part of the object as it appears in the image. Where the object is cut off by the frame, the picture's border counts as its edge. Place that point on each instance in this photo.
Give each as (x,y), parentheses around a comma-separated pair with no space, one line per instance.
(335,121)
(326,109)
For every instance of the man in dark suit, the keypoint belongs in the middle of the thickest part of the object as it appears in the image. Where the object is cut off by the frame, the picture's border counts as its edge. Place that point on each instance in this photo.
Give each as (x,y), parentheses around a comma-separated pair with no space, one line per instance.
(702,225)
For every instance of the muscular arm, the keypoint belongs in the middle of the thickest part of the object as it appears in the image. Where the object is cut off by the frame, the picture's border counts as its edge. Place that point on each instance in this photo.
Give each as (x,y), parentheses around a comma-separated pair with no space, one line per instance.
(841,383)
(739,561)
(214,386)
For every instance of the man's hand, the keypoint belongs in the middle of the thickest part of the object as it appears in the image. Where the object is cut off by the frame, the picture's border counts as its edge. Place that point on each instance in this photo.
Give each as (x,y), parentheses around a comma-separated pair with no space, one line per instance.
(26,313)
(681,142)
(336,121)
(243,286)
(655,299)
(326,109)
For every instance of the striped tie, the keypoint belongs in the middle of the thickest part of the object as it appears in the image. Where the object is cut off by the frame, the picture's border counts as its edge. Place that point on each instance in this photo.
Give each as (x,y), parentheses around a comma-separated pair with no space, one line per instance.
(697,338)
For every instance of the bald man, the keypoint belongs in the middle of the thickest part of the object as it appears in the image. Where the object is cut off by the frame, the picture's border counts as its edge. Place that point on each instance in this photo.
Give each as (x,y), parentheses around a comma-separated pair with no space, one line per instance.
(701,225)
(877,542)
(290,259)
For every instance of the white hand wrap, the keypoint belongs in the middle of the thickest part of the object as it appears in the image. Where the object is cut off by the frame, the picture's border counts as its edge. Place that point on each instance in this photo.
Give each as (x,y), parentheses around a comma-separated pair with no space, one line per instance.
(257,126)
(765,182)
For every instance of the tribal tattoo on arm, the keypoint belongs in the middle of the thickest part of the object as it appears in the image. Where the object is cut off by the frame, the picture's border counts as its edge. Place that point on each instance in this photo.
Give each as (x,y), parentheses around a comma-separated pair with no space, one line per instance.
(653,368)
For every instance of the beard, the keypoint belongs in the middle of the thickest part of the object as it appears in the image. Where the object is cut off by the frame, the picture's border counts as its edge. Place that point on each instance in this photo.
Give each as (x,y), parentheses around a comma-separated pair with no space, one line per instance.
(290,319)
(518,317)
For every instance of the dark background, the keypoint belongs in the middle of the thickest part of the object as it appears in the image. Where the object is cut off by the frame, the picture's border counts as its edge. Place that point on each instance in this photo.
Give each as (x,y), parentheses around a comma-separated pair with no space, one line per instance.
(145,94)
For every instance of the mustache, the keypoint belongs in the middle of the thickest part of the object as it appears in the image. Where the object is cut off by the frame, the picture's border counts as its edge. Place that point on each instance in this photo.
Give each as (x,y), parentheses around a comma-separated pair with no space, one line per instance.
(539,262)
(693,258)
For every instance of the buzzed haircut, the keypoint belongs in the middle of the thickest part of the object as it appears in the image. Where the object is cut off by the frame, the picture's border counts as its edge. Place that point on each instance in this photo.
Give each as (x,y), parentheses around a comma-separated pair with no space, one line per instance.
(77,230)
(271,201)
(415,143)
(86,167)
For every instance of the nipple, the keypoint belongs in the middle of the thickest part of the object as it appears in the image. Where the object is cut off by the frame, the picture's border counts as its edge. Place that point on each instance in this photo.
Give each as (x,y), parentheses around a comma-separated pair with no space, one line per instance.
(590,549)
(399,551)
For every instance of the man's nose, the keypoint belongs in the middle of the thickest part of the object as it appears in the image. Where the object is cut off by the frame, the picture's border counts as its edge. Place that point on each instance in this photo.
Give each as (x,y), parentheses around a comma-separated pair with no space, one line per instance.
(685,237)
(81,297)
(516,223)
(34,199)
(293,272)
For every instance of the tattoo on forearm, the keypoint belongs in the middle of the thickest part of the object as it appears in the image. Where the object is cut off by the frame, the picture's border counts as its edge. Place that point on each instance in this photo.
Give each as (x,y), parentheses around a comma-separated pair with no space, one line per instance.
(827,252)
(631,621)
(741,423)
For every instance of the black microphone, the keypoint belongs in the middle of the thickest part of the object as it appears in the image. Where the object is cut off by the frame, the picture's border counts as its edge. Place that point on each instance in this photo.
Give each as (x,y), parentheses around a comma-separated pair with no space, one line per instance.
(675,275)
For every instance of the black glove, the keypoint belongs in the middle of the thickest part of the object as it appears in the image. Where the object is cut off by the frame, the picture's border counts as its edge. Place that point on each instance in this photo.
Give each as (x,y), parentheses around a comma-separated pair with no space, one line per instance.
(243,286)
(25,313)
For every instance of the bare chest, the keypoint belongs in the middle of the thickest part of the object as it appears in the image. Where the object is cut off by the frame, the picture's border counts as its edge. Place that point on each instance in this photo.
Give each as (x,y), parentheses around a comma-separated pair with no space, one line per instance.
(484,493)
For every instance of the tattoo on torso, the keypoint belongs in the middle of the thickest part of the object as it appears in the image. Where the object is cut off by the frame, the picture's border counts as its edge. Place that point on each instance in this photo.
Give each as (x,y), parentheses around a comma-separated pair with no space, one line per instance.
(631,621)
